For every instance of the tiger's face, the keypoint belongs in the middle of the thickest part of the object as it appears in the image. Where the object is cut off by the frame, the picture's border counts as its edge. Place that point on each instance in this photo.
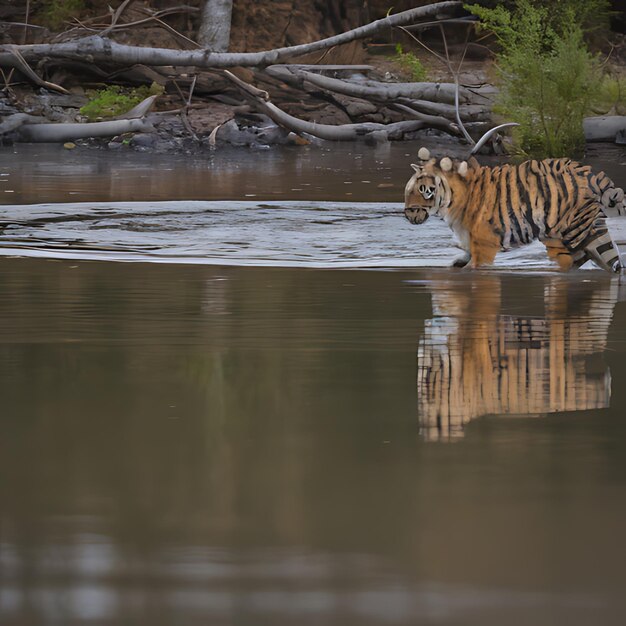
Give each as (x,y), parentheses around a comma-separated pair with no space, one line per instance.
(420,195)
(429,191)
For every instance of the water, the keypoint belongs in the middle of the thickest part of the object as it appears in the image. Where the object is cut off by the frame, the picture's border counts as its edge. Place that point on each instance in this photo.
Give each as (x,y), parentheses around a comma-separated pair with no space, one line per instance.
(223,442)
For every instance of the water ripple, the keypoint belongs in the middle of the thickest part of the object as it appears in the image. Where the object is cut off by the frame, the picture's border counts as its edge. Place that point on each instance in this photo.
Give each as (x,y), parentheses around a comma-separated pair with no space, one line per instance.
(243,233)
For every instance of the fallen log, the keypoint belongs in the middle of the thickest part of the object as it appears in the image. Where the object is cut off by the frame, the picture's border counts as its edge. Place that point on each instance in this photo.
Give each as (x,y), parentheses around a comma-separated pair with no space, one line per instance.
(60,133)
(344,132)
(468,112)
(13,122)
(96,49)
(373,90)
(604,128)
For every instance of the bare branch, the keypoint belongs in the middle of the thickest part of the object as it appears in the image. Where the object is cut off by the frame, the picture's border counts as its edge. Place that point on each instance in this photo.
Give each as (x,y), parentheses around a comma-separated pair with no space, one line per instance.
(116,16)
(344,132)
(435,92)
(97,49)
(485,138)
(454,73)
(17,61)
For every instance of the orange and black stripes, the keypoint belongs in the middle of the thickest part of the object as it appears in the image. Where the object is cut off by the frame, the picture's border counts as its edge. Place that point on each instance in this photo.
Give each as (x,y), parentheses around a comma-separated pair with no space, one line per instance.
(489,208)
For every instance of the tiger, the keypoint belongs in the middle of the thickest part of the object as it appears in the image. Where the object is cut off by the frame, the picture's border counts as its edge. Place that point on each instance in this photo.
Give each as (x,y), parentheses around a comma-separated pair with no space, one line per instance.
(558,201)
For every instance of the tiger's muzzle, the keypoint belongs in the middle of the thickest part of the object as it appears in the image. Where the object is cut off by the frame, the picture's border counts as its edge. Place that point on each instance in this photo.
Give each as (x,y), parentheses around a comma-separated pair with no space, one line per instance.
(416,214)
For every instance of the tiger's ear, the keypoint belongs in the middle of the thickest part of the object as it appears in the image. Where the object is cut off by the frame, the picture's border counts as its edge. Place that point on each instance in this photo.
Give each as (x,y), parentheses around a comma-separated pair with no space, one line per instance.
(462,169)
(417,168)
(446,164)
(423,154)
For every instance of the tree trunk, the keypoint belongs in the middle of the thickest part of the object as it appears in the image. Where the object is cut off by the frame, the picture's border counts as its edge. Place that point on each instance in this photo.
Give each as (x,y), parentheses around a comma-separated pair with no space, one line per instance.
(214,31)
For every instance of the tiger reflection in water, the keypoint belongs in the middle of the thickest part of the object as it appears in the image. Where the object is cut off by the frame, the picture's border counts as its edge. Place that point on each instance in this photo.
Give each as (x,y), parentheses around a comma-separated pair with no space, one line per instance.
(474,361)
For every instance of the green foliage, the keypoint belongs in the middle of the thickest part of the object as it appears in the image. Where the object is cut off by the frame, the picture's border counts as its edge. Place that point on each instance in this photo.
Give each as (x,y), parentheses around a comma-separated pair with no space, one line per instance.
(611,97)
(411,64)
(115,100)
(560,14)
(55,13)
(548,78)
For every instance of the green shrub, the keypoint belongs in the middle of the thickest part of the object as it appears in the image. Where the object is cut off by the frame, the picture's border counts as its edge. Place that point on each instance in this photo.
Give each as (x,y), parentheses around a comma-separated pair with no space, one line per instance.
(411,64)
(55,13)
(548,78)
(114,100)
(611,97)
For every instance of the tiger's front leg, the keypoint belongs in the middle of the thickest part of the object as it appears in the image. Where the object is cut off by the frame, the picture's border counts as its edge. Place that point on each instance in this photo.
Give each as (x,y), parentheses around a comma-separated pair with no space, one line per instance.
(484,245)
(463,260)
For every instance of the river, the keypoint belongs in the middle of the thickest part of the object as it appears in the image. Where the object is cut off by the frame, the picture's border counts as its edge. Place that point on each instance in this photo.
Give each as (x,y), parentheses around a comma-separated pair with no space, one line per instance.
(245,390)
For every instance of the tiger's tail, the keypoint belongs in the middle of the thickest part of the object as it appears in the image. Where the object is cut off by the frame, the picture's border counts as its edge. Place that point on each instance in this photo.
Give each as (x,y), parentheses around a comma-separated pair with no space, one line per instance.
(600,248)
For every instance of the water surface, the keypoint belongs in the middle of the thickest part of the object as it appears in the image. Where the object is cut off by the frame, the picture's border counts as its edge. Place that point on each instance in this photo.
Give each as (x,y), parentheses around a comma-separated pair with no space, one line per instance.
(221,443)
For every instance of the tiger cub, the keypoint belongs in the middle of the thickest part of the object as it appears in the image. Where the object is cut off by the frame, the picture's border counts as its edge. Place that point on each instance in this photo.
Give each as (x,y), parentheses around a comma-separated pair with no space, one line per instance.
(557,201)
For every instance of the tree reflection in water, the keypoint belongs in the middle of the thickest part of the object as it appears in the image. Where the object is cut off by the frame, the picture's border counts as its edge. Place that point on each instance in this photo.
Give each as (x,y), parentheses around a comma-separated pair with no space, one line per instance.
(474,360)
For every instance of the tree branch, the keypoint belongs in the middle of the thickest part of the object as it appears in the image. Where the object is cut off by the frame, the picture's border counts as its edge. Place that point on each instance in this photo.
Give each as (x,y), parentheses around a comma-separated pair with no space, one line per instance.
(97,49)
(344,132)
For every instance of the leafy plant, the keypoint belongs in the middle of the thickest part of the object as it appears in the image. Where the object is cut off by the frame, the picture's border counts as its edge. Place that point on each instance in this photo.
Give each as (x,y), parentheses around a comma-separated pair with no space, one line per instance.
(611,96)
(411,64)
(56,12)
(548,78)
(588,14)
(115,100)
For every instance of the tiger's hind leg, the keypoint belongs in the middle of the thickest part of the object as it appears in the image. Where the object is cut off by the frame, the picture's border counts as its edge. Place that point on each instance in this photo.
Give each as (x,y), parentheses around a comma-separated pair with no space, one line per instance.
(601,249)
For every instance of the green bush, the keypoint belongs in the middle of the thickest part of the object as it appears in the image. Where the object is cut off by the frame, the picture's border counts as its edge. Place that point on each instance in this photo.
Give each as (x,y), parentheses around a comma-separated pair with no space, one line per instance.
(411,64)
(589,14)
(611,97)
(114,101)
(55,13)
(548,78)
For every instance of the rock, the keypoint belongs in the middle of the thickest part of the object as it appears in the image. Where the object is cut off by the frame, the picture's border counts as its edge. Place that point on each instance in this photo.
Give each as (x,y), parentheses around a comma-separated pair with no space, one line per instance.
(376,137)
(69,145)
(272,134)
(143,140)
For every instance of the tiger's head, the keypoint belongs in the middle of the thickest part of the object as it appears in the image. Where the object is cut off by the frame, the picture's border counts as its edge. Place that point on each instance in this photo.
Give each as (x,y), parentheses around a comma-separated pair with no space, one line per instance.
(431,189)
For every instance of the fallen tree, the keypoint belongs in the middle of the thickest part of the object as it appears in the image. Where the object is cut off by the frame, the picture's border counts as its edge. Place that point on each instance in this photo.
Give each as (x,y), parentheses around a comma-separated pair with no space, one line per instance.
(96,49)
(344,132)
(423,97)
(60,133)
(374,90)
(604,128)
(443,106)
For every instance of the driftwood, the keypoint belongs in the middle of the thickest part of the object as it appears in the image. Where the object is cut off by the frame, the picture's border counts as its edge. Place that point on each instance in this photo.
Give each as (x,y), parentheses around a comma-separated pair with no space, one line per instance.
(373,90)
(97,49)
(468,112)
(50,133)
(29,128)
(343,132)
(388,92)
(13,122)
(604,128)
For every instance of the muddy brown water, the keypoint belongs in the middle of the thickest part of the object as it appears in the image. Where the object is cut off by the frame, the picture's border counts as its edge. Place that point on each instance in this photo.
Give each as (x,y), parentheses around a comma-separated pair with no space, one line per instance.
(275,438)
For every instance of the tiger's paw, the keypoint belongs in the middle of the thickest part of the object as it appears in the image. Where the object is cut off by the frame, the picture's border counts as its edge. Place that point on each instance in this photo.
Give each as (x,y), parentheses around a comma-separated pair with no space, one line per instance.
(462,261)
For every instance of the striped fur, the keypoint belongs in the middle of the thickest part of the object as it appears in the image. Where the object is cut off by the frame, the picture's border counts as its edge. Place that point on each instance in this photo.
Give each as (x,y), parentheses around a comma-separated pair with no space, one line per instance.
(558,201)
